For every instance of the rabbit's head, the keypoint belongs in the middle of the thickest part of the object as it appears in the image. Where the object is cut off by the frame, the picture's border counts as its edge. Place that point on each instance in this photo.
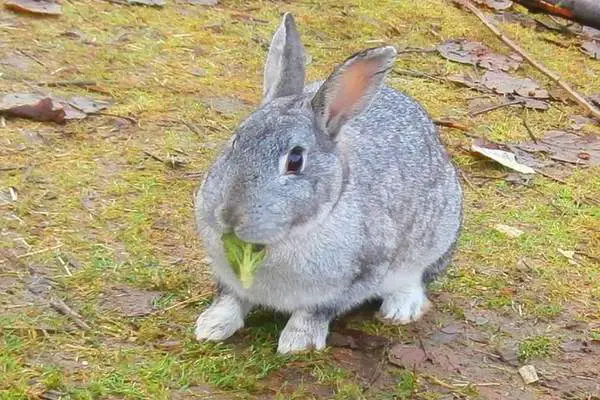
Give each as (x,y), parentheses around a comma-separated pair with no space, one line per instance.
(284,168)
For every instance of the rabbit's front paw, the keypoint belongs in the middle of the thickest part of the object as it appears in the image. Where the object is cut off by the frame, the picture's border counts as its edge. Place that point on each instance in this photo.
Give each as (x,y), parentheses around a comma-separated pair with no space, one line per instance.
(221,320)
(404,308)
(303,332)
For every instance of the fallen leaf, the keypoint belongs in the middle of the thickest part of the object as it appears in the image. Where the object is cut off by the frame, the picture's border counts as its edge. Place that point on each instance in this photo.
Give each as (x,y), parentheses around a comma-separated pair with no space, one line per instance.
(509,231)
(595,98)
(503,83)
(591,48)
(566,147)
(528,374)
(44,108)
(496,4)
(151,3)
(475,53)
(590,33)
(578,122)
(407,356)
(34,6)
(32,106)
(500,154)
(203,2)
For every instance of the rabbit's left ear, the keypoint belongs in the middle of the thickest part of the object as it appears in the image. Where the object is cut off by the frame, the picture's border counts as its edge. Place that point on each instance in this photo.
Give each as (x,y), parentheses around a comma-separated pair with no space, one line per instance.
(284,68)
(351,87)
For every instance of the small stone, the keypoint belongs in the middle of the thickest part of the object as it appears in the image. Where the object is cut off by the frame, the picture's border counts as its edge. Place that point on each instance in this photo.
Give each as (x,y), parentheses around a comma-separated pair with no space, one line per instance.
(528,374)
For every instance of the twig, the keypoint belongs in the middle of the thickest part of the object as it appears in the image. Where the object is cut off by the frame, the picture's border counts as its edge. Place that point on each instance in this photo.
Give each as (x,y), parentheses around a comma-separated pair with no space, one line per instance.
(33,253)
(130,119)
(65,310)
(581,253)
(191,127)
(590,108)
(418,74)
(554,178)
(467,181)
(529,131)
(157,158)
(181,304)
(494,107)
(34,58)
(416,50)
(67,83)
(451,124)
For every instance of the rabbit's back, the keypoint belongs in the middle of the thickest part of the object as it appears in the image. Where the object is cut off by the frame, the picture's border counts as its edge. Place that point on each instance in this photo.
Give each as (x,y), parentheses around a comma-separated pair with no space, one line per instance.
(404,179)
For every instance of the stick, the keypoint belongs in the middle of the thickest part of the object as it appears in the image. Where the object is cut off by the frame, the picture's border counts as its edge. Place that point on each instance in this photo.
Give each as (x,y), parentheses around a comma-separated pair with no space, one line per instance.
(68,83)
(65,310)
(451,124)
(590,109)
(494,107)
(529,131)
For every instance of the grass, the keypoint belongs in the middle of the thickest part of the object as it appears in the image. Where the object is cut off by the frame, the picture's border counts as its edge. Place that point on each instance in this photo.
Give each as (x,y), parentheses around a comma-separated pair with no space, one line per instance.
(535,347)
(92,194)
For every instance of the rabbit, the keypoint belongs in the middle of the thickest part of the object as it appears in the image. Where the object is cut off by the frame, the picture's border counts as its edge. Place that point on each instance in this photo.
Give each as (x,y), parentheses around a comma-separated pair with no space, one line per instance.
(345,185)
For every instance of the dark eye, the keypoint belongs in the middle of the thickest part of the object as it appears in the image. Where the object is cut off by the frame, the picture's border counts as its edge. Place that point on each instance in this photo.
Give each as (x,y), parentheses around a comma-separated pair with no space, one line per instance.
(295,160)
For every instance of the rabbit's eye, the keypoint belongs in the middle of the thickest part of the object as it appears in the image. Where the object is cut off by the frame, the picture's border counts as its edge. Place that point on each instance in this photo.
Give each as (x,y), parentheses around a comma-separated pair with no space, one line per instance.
(295,160)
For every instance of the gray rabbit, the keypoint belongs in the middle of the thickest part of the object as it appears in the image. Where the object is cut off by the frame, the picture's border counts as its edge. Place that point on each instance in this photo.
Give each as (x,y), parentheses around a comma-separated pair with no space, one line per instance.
(344,184)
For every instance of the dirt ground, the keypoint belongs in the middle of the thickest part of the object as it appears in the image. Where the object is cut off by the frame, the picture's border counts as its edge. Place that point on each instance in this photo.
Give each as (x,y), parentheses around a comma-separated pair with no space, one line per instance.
(101,272)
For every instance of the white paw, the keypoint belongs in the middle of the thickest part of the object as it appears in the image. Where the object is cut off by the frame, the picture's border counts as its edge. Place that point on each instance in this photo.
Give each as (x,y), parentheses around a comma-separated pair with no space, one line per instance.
(404,308)
(302,334)
(221,320)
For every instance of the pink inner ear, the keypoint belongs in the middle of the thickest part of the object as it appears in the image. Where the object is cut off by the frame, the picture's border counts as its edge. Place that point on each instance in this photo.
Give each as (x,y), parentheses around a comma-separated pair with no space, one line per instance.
(352,86)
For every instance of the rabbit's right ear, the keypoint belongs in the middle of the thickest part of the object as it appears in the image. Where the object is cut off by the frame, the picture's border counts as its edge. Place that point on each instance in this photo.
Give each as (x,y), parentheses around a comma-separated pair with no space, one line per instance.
(284,68)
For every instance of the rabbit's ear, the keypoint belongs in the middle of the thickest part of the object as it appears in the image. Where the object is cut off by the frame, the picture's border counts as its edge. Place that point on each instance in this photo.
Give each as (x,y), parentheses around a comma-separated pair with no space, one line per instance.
(284,68)
(351,87)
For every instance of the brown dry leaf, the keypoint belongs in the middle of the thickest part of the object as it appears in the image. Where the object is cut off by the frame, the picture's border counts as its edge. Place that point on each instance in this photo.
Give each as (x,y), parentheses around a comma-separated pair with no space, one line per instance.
(32,106)
(503,83)
(407,356)
(591,48)
(578,122)
(496,4)
(475,53)
(34,7)
(595,98)
(566,147)
(46,108)
(500,154)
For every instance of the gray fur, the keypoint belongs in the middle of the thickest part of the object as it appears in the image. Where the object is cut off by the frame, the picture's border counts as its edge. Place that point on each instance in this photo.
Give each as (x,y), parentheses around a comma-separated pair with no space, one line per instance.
(284,68)
(376,210)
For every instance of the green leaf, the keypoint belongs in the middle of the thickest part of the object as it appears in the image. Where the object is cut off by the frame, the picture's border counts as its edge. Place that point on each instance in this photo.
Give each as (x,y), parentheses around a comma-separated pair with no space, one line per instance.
(244,258)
